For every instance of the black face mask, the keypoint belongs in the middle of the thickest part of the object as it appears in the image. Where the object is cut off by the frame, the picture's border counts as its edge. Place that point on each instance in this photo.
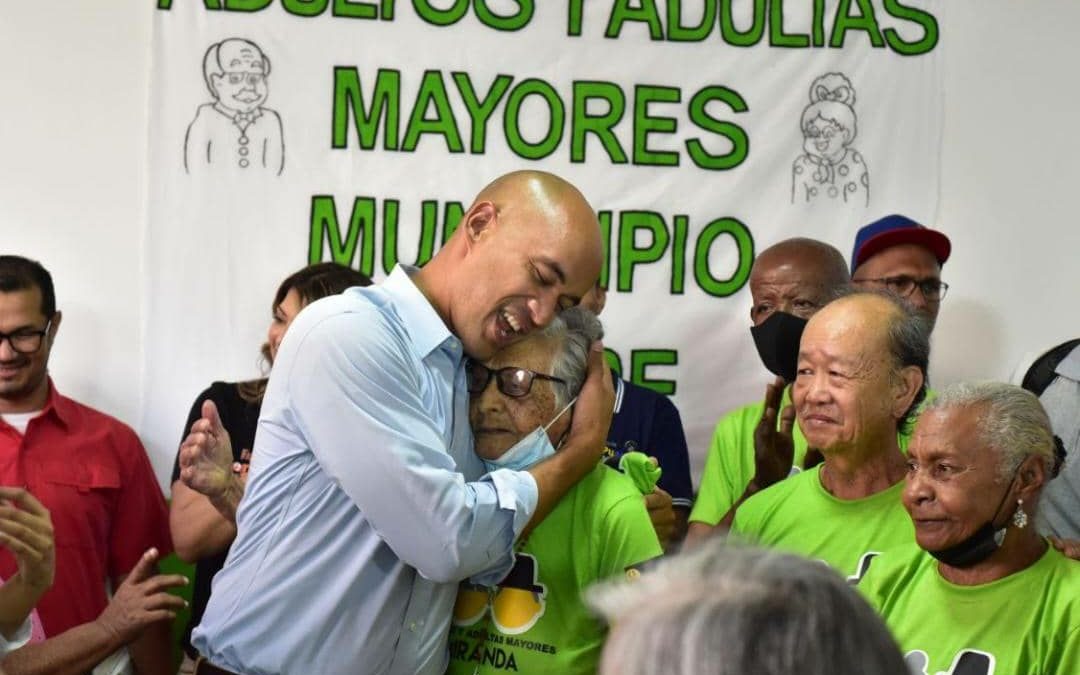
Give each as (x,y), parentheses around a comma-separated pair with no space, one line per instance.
(980,545)
(777,341)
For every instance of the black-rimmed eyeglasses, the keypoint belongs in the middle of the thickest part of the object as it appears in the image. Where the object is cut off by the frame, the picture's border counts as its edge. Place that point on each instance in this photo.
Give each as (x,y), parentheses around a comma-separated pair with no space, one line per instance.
(512,381)
(26,341)
(903,285)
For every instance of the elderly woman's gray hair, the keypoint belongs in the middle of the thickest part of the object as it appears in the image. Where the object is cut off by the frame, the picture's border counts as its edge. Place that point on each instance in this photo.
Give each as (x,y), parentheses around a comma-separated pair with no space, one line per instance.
(574,330)
(1012,421)
(725,609)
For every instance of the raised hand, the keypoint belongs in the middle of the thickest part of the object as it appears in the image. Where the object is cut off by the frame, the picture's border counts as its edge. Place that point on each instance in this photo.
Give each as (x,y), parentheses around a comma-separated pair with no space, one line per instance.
(774,449)
(26,530)
(206,457)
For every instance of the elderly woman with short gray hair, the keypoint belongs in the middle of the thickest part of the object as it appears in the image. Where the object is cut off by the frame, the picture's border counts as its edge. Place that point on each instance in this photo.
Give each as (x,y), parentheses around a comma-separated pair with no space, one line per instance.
(534,620)
(724,609)
(983,592)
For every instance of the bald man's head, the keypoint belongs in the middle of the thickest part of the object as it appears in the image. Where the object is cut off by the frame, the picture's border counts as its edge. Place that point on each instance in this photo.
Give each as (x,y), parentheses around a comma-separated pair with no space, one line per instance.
(797,276)
(529,245)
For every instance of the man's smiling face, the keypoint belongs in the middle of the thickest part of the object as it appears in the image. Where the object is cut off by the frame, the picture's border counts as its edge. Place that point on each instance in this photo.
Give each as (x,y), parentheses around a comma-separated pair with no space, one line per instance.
(242,87)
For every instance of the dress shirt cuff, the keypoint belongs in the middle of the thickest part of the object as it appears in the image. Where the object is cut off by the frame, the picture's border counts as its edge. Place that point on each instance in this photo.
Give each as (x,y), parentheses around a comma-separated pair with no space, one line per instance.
(517,492)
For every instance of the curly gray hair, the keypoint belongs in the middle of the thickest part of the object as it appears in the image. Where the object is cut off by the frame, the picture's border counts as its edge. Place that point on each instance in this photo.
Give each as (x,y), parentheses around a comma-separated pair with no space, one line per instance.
(574,330)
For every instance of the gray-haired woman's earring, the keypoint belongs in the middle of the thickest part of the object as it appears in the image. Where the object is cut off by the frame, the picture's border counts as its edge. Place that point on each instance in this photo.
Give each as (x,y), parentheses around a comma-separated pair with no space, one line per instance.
(1020,518)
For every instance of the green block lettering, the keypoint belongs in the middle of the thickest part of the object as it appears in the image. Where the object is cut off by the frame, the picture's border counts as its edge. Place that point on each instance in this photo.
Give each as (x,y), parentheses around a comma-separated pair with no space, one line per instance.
(384,108)
(432,93)
(601,124)
(863,21)
(356,10)
(677,32)
(515,21)
(646,13)
(441,17)
(744,243)
(742,38)
(304,7)
(925,19)
(326,228)
(480,110)
(699,115)
(641,359)
(645,124)
(512,119)
(777,36)
(629,255)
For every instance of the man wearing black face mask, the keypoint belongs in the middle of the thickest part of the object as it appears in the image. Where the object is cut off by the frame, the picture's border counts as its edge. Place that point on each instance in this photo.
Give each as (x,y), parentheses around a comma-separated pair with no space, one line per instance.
(758,445)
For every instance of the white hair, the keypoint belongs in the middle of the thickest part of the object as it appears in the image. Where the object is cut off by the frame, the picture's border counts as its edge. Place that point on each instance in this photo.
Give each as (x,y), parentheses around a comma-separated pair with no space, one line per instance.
(1012,421)
(726,609)
(574,330)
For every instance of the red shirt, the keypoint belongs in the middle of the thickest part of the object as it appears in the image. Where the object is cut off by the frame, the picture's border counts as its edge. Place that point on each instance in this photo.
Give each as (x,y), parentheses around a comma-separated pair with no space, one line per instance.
(92,473)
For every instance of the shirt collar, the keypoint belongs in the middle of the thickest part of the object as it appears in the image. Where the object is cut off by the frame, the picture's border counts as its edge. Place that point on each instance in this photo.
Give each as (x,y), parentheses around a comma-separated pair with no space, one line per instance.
(425,327)
(61,408)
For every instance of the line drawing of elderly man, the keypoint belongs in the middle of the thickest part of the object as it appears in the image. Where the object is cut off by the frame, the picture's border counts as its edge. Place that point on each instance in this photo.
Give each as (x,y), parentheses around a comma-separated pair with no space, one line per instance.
(236,132)
(831,167)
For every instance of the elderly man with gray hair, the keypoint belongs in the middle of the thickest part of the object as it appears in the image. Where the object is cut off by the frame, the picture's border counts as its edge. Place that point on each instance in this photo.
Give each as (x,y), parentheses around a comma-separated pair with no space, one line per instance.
(861,375)
(534,620)
(731,610)
(978,461)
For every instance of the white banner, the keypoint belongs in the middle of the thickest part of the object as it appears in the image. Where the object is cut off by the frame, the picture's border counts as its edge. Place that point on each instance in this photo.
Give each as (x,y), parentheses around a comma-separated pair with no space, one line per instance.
(284,132)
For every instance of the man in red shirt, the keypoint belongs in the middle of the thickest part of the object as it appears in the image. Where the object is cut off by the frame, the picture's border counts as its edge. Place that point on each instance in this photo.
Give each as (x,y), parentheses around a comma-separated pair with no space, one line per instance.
(88,469)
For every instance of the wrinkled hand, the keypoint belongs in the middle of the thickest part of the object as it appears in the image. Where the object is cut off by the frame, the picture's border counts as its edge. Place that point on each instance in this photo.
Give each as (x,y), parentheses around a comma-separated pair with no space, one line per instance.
(595,404)
(1070,547)
(662,515)
(774,450)
(142,600)
(26,530)
(206,457)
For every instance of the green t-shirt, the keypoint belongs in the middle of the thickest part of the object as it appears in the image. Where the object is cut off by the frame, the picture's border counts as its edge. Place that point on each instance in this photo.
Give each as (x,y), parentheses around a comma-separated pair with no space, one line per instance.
(1025,624)
(729,464)
(799,516)
(534,621)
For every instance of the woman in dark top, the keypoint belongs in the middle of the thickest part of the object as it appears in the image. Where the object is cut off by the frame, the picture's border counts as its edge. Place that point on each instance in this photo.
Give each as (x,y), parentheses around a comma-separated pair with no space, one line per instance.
(203,527)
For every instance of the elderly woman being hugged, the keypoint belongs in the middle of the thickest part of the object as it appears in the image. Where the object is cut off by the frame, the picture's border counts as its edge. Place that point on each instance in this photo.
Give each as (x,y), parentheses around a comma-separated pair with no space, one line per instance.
(983,592)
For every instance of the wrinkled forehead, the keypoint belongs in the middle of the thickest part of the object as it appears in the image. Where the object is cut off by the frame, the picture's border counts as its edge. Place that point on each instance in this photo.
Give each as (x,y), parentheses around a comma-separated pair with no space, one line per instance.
(535,352)
(241,56)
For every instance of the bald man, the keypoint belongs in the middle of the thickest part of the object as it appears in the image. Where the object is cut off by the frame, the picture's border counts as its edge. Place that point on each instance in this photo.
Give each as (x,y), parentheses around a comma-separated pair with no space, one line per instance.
(861,376)
(365,503)
(757,445)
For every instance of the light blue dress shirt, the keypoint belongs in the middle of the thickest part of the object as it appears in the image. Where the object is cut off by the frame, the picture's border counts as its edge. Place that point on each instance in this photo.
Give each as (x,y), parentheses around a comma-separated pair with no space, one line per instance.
(359,518)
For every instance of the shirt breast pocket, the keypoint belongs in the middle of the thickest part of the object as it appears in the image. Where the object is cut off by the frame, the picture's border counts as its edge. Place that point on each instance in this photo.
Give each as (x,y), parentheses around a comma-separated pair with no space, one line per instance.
(80,500)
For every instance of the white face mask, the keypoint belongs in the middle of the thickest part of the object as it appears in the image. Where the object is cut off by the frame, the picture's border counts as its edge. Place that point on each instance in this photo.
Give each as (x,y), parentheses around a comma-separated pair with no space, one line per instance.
(533,448)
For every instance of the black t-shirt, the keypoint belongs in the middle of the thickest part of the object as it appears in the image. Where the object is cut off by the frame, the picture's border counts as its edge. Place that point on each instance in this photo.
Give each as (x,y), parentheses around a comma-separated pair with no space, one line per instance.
(239,417)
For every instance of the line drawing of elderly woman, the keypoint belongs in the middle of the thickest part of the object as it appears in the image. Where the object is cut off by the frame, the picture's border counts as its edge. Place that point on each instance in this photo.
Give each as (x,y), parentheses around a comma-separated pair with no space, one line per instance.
(831,168)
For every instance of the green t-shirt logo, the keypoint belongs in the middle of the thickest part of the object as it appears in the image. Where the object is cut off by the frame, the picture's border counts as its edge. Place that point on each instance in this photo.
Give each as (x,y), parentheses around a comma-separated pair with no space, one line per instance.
(967,662)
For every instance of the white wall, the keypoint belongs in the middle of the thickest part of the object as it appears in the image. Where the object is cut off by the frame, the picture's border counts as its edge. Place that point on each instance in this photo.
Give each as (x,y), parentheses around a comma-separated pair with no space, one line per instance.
(74,87)
(73,90)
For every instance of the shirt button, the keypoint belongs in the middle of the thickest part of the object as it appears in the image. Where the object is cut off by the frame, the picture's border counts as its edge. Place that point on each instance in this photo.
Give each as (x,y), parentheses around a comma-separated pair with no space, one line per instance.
(243,140)
(243,163)
(243,151)
(412,626)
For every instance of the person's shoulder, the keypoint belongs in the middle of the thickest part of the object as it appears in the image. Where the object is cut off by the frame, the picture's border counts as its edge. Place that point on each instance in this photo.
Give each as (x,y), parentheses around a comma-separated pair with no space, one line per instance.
(82,417)
(363,316)
(609,485)
(781,495)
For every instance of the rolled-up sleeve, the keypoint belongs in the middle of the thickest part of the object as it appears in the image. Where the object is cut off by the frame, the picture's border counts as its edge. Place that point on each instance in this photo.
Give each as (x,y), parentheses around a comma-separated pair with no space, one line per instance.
(358,398)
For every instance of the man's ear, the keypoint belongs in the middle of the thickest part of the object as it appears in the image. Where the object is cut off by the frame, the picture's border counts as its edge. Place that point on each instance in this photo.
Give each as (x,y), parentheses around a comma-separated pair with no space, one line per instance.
(479,222)
(54,325)
(907,387)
